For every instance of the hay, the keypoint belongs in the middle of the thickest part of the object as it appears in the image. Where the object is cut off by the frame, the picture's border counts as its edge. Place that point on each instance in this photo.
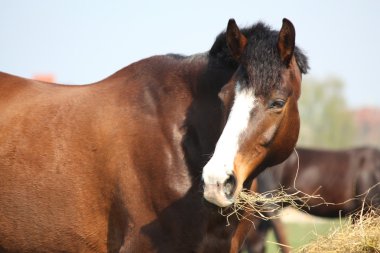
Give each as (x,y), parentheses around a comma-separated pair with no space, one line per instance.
(363,235)
(266,205)
(360,236)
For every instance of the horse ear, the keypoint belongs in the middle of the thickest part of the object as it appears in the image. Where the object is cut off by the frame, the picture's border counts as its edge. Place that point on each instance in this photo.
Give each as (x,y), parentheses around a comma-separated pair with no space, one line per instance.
(236,41)
(286,41)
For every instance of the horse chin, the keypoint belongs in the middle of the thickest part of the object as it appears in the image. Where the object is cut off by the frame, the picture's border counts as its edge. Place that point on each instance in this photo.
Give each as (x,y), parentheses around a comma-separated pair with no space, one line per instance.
(215,195)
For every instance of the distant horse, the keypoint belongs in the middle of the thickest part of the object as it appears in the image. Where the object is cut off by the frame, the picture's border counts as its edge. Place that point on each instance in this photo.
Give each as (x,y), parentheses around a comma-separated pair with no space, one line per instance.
(119,165)
(344,180)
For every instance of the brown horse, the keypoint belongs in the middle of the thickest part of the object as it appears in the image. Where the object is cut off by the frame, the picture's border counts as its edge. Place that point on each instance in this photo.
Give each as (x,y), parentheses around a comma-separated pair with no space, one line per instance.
(344,180)
(118,165)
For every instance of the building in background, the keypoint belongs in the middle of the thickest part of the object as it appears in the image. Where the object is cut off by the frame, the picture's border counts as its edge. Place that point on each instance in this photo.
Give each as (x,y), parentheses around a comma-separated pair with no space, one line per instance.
(50,78)
(367,121)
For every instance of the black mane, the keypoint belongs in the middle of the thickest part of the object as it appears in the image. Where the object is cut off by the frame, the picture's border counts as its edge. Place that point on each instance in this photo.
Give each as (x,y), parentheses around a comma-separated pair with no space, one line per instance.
(261,53)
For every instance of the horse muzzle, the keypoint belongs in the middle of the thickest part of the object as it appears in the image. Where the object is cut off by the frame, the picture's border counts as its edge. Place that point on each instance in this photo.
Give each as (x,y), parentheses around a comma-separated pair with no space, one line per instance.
(221,194)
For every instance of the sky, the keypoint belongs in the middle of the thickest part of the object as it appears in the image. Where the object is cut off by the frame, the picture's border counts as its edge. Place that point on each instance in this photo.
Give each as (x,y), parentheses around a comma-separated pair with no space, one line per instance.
(85,41)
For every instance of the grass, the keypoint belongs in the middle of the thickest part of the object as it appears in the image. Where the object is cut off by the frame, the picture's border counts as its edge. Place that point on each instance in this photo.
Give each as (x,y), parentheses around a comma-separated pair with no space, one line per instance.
(301,233)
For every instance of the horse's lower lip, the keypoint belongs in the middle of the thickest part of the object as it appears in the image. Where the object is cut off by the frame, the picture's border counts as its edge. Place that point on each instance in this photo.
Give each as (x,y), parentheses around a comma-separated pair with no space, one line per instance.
(218,202)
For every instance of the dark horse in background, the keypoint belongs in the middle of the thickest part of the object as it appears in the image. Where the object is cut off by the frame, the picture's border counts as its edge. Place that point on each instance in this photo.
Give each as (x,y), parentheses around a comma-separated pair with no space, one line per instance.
(346,181)
(123,165)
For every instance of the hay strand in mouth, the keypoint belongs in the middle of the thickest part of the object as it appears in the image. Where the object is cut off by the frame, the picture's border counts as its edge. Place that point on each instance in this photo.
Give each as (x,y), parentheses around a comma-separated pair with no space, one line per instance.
(266,205)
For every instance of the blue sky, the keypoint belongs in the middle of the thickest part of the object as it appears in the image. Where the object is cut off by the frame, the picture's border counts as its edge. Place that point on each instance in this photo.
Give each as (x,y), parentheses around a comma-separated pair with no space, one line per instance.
(85,41)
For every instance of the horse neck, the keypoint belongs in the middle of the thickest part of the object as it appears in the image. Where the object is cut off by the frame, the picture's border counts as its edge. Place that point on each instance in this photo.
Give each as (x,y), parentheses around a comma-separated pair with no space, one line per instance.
(207,75)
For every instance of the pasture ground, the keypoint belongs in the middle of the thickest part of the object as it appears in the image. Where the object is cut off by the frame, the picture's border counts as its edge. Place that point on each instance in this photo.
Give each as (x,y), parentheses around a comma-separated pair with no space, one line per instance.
(300,233)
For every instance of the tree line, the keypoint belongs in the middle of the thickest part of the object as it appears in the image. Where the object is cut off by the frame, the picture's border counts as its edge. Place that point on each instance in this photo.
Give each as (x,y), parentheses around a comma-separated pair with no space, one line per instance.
(326,119)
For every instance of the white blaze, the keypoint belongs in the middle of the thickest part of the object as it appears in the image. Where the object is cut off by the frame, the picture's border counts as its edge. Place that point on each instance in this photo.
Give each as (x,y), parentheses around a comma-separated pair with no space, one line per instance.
(221,164)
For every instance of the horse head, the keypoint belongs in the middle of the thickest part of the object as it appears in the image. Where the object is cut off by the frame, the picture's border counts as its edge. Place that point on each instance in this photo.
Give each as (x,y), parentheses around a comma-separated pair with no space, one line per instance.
(260,103)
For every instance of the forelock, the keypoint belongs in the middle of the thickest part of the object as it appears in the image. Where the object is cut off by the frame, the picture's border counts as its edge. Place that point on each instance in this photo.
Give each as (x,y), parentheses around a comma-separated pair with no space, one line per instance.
(261,58)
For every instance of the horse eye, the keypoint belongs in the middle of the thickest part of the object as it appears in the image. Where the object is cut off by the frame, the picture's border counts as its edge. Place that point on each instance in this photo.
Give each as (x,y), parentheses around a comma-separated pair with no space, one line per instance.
(276,104)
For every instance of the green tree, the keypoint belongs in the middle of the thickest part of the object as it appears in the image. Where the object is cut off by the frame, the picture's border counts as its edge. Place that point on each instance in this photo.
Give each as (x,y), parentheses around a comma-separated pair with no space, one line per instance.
(326,121)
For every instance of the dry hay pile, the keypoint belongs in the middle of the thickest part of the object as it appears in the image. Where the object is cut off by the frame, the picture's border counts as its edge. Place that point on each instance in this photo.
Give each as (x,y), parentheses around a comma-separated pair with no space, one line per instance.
(363,235)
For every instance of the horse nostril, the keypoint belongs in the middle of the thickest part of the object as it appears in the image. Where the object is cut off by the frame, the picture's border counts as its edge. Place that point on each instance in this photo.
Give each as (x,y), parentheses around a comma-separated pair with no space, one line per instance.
(229,186)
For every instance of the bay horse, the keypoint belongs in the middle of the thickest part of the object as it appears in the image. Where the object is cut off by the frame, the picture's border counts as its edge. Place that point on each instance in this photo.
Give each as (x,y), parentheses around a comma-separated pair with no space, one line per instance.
(143,160)
(346,180)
